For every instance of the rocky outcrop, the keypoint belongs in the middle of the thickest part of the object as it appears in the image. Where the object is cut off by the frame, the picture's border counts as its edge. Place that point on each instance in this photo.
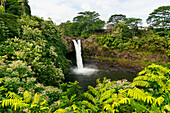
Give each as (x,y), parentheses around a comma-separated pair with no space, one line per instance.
(70,44)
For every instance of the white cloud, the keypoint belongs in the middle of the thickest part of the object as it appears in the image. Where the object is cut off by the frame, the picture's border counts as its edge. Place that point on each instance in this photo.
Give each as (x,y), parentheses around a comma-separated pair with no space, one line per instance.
(63,10)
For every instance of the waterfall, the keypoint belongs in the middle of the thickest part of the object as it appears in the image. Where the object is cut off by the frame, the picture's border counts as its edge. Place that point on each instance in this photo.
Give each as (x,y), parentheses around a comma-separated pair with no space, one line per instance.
(80,69)
(77,45)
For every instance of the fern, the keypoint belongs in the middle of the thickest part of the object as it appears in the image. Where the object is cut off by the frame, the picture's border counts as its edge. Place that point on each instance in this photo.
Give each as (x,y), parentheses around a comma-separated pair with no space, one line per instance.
(27,96)
(124,101)
(89,105)
(90,97)
(149,99)
(36,99)
(136,93)
(12,95)
(17,103)
(139,108)
(109,108)
(60,111)
(106,95)
(140,83)
(94,91)
(159,101)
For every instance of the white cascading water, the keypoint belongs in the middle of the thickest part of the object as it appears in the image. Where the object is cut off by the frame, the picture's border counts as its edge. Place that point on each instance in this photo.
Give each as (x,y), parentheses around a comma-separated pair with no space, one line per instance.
(80,69)
(78,54)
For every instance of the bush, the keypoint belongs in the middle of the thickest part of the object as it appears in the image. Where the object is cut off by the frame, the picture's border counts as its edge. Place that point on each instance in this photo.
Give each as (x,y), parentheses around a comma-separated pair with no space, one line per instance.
(33,57)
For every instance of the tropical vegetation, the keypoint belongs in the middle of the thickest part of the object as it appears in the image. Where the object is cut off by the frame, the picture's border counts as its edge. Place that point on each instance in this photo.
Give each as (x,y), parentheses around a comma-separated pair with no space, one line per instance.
(33,63)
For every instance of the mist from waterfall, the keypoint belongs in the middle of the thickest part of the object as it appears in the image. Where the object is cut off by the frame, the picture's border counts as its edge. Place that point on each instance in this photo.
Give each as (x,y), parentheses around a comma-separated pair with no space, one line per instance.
(80,69)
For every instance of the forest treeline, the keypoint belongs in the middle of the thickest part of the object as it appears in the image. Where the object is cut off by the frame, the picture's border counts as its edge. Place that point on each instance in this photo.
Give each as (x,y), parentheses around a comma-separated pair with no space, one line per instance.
(88,23)
(33,63)
(123,33)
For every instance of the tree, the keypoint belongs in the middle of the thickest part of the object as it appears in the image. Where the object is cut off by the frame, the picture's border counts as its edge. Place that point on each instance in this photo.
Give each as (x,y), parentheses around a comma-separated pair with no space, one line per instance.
(3,4)
(115,19)
(133,24)
(90,20)
(18,8)
(160,17)
(22,4)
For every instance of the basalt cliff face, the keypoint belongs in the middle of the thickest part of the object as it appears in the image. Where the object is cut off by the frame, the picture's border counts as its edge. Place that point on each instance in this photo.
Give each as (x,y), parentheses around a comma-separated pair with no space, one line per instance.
(89,47)
(132,59)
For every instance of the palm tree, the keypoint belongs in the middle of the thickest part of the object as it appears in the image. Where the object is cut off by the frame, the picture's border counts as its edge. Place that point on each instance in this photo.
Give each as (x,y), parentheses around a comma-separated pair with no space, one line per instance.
(3,4)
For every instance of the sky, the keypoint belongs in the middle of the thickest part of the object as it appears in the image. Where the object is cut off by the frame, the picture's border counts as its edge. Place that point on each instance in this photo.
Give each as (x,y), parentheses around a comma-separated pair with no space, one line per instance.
(63,10)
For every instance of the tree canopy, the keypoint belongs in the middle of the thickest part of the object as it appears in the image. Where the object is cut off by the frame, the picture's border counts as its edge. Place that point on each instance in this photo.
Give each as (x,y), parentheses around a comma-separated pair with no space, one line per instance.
(17,7)
(90,20)
(160,17)
(116,18)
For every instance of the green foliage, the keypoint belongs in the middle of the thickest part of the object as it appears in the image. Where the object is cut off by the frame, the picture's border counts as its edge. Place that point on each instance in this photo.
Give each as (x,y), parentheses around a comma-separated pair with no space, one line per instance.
(149,42)
(1,8)
(15,7)
(8,25)
(84,25)
(119,96)
(159,18)
(35,28)
(156,77)
(116,18)
(71,95)
(38,58)
(25,103)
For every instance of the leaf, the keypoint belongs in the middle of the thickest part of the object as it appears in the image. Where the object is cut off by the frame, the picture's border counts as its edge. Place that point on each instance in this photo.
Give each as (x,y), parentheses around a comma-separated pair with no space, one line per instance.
(36,99)
(27,96)
(167,107)
(89,105)
(159,100)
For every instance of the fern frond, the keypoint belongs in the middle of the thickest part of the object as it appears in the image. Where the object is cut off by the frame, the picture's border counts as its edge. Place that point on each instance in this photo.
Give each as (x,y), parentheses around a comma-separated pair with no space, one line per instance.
(27,96)
(110,100)
(90,97)
(167,107)
(107,94)
(115,104)
(98,81)
(36,99)
(136,94)
(142,72)
(18,105)
(9,102)
(159,100)
(14,103)
(60,111)
(108,107)
(89,105)
(105,87)
(44,103)
(93,90)
(140,78)
(124,101)
(75,107)
(73,98)
(139,107)
(12,95)
(140,83)
(44,108)
(149,99)
(1,80)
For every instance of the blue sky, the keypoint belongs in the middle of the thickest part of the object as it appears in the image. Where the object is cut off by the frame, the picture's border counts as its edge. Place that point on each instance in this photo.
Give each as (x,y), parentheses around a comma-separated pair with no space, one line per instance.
(63,10)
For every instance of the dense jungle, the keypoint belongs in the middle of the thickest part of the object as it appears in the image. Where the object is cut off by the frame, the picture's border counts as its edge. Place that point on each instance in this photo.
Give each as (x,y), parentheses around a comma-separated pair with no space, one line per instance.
(33,62)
